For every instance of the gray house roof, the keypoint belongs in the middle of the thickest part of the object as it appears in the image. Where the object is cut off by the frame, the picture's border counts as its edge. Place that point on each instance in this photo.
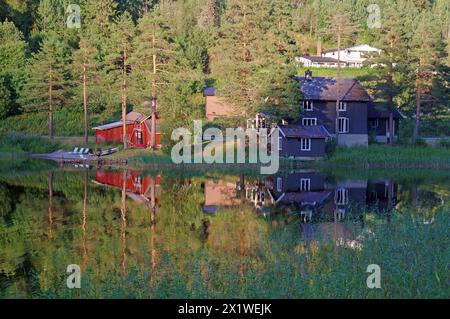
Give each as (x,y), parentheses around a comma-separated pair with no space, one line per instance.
(299,131)
(326,89)
(304,198)
(379,110)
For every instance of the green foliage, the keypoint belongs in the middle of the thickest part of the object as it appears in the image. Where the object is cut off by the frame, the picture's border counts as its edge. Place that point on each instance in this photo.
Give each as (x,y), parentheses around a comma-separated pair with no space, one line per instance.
(5,100)
(244,48)
(12,66)
(14,142)
(47,77)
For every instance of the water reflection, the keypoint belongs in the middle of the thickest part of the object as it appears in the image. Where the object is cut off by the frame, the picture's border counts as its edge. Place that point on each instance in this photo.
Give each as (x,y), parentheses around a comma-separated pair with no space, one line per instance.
(118,219)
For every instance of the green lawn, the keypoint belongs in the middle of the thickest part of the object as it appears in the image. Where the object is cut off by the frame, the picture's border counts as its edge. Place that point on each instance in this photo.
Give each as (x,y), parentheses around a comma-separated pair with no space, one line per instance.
(384,155)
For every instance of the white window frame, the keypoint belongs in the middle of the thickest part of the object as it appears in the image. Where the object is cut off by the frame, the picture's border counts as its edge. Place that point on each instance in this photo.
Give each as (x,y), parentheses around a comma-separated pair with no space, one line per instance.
(280,143)
(313,121)
(279,184)
(342,107)
(341,196)
(308,105)
(346,127)
(305,184)
(305,144)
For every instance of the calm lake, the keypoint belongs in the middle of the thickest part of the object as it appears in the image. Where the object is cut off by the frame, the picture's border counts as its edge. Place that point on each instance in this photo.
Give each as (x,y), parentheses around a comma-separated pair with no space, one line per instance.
(207,234)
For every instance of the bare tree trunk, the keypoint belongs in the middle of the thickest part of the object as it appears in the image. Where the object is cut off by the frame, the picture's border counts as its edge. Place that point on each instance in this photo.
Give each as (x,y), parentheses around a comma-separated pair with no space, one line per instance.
(418,105)
(153,128)
(338,98)
(124,99)
(50,110)
(86,138)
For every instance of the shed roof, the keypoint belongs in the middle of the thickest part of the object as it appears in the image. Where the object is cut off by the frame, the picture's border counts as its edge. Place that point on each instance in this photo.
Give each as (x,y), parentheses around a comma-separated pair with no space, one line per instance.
(131,118)
(326,89)
(299,131)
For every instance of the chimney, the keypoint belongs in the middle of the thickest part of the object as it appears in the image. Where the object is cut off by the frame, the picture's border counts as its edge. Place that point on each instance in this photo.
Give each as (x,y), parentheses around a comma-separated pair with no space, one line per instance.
(319,48)
(308,75)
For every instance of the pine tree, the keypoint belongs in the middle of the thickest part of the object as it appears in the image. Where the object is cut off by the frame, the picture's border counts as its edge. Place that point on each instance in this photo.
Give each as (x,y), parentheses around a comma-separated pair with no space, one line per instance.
(343,29)
(98,22)
(426,60)
(85,69)
(162,72)
(50,16)
(12,62)
(120,50)
(388,82)
(238,54)
(47,85)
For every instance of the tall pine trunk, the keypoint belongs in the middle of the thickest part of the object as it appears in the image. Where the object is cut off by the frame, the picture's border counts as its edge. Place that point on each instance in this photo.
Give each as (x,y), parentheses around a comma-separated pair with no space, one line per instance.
(124,99)
(86,138)
(418,105)
(50,110)
(338,98)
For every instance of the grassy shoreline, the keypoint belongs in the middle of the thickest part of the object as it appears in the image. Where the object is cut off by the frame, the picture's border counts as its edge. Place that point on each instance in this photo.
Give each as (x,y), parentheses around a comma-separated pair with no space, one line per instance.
(16,146)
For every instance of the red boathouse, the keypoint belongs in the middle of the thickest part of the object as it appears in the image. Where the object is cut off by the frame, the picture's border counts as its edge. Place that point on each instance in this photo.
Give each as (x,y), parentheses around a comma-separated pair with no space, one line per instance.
(138,131)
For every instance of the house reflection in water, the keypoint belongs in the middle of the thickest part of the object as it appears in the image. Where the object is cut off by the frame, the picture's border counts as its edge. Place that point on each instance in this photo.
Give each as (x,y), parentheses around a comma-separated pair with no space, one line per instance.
(328,210)
(139,188)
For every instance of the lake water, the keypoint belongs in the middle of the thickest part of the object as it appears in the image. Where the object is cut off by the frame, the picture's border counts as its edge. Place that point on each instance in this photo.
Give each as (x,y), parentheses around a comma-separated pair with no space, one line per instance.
(207,234)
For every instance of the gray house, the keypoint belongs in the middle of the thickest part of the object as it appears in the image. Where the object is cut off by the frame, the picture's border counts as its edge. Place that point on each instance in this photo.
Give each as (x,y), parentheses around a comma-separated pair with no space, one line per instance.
(302,142)
(346,121)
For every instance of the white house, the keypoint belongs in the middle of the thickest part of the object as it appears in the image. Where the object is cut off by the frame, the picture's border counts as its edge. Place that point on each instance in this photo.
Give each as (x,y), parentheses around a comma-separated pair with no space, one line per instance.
(353,56)
(319,62)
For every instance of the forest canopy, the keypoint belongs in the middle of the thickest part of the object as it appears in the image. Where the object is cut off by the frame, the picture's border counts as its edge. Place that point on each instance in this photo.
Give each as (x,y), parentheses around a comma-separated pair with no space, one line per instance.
(128,51)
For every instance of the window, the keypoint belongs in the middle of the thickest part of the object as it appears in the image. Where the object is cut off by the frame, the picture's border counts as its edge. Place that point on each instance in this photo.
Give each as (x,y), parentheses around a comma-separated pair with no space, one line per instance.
(374,123)
(280,143)
(139,137)
(305,185)
(305,144)
(342,125)
(309,121)
(306,214)
(341,196)
(308,105)
(279,184)
(342,106)
(339,214)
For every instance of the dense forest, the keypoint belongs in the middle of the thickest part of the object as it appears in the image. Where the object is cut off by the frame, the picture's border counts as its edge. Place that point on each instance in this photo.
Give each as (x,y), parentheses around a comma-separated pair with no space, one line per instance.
(127,51)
